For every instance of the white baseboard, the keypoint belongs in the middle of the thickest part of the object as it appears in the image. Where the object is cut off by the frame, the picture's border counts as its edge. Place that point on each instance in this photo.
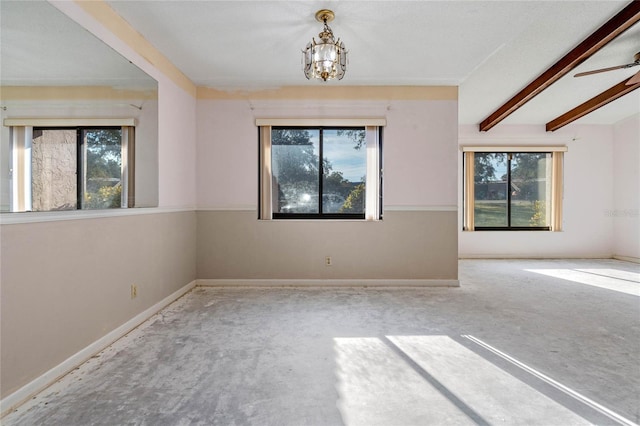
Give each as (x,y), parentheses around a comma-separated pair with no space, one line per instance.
(542,257)
(525,256)
(308,283)
(13,400)
(627,258)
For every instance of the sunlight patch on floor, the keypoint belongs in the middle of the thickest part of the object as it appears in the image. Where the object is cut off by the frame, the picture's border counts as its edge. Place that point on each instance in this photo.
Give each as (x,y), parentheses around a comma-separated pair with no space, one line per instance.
(434,380)
(567,390)
(610,279)
(613,273)
(376,387)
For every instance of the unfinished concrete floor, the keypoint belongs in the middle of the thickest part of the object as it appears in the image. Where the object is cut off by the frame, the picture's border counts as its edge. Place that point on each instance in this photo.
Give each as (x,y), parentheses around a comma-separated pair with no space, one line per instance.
(519,343)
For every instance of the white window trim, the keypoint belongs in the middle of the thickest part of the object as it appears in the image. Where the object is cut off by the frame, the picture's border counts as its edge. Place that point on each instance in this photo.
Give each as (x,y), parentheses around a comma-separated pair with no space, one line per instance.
(69,122)
(266,198)
(498,148)
(373,209)
(20,191)
(321,122)
(372,185)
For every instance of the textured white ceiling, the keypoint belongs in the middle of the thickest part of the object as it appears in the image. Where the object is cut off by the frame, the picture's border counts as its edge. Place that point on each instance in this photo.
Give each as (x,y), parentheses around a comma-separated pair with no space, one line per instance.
(258,44)
(40,46)
(491,49)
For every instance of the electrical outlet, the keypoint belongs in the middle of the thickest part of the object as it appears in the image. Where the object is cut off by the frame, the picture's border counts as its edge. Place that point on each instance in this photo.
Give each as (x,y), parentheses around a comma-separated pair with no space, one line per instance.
(327,261)
(134,291)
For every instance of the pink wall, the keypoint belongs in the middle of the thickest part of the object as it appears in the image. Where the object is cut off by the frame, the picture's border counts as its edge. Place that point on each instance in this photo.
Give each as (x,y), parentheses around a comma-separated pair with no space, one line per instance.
(588,195)
(177,146)
(419,154)
(419,148)
(626,175)
(227,156)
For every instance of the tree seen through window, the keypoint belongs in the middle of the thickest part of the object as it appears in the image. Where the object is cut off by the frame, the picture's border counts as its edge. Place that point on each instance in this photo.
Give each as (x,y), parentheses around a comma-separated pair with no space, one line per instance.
(512,190)
(74,167)
(307,185)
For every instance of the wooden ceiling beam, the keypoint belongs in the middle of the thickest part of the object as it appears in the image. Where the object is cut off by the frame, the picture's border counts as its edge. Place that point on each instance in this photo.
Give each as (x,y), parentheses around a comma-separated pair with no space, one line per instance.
(592,104)
(615,26)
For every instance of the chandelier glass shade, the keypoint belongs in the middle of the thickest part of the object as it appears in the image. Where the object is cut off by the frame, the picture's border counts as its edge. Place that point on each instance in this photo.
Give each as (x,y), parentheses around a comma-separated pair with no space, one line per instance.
(327,59)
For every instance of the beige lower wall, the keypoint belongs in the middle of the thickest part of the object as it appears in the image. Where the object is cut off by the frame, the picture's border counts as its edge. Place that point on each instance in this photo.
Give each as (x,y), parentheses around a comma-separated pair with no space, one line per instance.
(66,284)
(420,245)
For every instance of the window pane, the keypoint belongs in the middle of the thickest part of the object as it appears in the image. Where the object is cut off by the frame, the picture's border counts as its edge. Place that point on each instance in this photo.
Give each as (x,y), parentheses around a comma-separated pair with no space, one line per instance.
(490,189)
(103,168)
(530,177)
(344,171)
(53,170)
(295,170)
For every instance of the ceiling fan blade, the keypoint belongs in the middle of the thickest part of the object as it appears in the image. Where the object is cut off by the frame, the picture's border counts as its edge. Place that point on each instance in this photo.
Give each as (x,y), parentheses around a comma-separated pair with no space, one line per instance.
(634,80)
(581,74)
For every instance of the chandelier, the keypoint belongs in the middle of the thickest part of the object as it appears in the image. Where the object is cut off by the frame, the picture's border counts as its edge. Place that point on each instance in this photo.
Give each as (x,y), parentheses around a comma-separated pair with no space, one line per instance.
(328,59)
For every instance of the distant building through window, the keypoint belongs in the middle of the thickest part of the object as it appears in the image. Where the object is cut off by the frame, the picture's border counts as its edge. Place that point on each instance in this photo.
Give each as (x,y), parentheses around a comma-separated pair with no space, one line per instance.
(70,168)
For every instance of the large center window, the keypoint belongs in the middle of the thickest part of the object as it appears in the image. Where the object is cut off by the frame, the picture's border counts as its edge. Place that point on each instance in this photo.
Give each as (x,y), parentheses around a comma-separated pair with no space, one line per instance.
(321,173)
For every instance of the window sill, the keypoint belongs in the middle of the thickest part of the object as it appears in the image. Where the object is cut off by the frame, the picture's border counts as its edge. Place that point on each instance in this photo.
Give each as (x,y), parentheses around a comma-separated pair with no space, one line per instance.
(10,218)
(510,230)
(319,220)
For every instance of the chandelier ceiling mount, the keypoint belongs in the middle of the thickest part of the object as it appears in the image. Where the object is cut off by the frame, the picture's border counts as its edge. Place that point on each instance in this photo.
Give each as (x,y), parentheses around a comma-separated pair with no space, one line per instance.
(325,15)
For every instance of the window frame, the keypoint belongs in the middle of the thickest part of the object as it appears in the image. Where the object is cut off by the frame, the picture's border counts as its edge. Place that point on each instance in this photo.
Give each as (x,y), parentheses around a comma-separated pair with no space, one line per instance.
(265,197)
(21,138)
(555,197)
